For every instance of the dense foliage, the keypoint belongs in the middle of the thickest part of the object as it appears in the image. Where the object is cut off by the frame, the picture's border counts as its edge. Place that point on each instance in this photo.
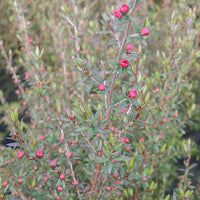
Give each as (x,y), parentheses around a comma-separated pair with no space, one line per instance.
(105,90)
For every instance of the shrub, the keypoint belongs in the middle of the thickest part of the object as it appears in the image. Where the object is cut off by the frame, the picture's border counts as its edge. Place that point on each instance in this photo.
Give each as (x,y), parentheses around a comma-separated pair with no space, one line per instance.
(106,121)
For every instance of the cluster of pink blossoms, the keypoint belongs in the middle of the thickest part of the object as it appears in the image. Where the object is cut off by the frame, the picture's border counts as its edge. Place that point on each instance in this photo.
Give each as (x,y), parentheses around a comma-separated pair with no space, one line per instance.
(122,11)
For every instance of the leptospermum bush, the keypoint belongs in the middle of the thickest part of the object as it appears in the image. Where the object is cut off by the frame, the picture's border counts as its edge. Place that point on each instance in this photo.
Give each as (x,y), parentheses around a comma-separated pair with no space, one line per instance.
(103,125)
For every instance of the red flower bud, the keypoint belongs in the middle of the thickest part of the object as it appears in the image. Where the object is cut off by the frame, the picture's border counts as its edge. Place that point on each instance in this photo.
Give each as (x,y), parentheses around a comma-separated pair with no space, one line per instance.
(132,93)
(124,9)
(124,63)
(118,13)
(102,87)
(145,31)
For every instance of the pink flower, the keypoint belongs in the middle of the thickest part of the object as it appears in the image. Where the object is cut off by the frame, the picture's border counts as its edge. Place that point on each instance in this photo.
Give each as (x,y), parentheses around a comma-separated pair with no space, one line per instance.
(27,75)
(144,179)
(141,139)
(39,154)
(108,188)
(145,31)
(20,180)
(126,140)
(164,121)
(102,87)
(118,13)
(75,182)
(123,110)
(116,175)
(53,163)
(5,183)
(41,137)
(2,148)
(30,40)
(176,115)
(114,161)
(48,118)
(112,128)
(61,138)
(60,188)
(20,154)
(62,176)
(129,48)
(124,8)
(132,93)
(46,178)
(70,154)
(124,63)
(118,182)
(127,148)
(98,135)
(70,142)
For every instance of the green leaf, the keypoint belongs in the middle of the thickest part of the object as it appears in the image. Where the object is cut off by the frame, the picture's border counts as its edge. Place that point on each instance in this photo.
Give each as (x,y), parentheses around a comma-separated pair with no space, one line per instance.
(132,164)
(188,193)
(122,158)
(182,193)
(16,114)
(130,191)
(110,166)
(84,128)
(33,182)
(101,160)
(112,139)
(117,69)
(89,112)
(147,97)
(37,51)
(137,28)
(167,197)
(143,42)
(118,146)
(6,188)
(125,193)
(163,148)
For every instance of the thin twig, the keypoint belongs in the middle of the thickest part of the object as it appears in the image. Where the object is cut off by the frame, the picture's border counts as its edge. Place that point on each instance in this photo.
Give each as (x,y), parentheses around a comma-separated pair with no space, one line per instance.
(70,162)
(87,140)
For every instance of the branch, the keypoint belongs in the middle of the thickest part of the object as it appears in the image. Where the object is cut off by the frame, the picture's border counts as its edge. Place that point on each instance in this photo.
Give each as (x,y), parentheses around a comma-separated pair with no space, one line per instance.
(70,162)
(118,57)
